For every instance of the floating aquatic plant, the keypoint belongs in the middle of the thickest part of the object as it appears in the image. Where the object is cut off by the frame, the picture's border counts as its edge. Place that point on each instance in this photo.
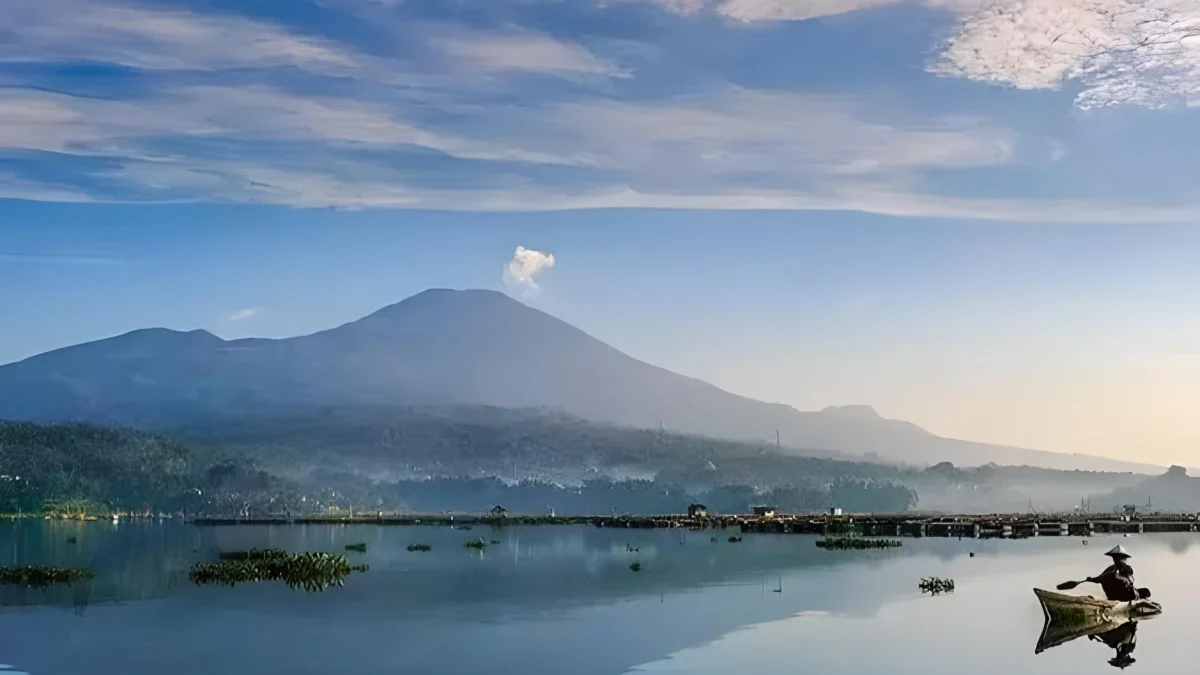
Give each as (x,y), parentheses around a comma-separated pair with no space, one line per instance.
(361,548)
(935,585)
(39,576)
(479,544)
(636,567)
(310,571)
(735,540)
(419,548)
(856,543)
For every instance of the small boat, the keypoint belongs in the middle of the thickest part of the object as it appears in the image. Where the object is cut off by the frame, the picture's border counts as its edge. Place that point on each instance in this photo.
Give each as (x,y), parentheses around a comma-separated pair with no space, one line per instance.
(1069,617)
(1085,608)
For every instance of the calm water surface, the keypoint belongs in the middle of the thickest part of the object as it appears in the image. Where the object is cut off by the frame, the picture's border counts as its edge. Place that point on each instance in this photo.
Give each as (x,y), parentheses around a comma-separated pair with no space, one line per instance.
(564,600)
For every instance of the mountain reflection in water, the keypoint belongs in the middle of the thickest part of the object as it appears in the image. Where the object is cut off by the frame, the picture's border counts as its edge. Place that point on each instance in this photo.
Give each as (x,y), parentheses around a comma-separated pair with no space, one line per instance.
(556,600)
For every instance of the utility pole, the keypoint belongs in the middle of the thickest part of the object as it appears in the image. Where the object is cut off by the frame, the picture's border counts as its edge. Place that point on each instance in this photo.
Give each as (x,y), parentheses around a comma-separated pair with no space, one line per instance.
(777,445)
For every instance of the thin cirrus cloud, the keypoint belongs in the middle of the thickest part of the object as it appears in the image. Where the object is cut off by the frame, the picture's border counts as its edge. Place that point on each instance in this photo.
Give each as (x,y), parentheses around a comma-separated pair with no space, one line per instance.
(157,39)
(60,259)
(521,53)
(499,115)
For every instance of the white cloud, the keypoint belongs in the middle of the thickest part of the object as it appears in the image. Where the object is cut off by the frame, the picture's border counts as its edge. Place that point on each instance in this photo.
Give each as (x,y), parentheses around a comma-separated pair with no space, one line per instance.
(521,52)
(1123,52)
(139,37)
(243,314)
(521,273)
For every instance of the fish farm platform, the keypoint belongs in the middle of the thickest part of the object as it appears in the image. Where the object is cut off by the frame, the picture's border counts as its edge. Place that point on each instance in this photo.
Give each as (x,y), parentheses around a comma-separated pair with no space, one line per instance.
(904,525)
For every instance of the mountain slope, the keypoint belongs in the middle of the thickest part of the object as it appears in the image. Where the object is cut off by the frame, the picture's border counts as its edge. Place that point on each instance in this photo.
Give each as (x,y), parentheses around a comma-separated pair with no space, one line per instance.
(444,347)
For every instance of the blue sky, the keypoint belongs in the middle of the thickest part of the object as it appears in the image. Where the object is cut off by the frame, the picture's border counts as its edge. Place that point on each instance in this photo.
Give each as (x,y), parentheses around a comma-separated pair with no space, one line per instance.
(979,216)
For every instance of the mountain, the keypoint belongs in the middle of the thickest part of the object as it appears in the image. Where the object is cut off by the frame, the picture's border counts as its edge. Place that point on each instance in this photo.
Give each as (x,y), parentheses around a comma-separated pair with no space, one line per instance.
(444,347)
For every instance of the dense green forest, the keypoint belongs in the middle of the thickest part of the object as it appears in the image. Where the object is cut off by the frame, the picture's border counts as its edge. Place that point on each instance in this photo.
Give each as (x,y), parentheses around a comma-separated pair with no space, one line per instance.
(71,468)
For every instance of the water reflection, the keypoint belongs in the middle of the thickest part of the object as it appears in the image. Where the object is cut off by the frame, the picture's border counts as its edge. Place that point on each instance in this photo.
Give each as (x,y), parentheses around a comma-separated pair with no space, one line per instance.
(557,600)
(1120,635)
(1124,640)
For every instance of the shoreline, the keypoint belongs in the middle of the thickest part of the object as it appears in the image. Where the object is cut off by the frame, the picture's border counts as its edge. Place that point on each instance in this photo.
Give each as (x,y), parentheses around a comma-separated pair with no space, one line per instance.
(1006,526)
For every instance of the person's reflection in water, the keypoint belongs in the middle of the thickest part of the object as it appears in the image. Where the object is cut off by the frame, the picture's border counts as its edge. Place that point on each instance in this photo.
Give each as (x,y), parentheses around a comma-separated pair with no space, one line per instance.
(1123,638)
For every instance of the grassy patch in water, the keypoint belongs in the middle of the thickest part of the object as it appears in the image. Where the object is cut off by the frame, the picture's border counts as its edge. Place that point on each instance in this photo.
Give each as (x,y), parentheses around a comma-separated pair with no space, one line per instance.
(636,567)
(419,548)
(39,576)
(361,548)
(856,543)
(310,571)
(478,544)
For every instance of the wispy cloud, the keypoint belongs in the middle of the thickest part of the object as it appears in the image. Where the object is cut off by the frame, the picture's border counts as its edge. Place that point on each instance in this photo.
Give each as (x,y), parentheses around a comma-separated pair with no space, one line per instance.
(59,259)
(243,314)
(139,37)
(513,110)
(521,273)
(793,10)
(522,52)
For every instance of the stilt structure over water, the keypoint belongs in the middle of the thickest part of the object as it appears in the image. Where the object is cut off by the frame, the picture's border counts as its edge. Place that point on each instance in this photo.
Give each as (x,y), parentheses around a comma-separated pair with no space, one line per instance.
(1015,526)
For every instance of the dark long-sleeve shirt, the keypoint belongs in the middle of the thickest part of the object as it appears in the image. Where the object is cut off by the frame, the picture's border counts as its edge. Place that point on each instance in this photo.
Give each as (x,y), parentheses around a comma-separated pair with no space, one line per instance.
(1117,582)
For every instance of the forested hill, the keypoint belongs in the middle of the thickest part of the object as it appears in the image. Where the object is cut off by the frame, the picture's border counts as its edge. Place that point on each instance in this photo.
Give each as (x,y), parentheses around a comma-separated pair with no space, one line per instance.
(53,465)
(80,467)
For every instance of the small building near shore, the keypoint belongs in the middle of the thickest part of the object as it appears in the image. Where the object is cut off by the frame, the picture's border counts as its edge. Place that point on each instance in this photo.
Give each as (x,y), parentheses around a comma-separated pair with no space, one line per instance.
(835,511)
(697,511)
(764,511)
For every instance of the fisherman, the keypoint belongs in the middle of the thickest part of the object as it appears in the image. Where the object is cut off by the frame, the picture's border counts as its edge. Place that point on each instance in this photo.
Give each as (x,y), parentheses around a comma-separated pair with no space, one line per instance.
(1117,580)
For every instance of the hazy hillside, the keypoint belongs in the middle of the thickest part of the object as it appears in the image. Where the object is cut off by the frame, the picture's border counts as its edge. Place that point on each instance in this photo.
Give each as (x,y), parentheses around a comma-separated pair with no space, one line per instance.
(469,459)
(445,347)
(76,467)
(1173,491)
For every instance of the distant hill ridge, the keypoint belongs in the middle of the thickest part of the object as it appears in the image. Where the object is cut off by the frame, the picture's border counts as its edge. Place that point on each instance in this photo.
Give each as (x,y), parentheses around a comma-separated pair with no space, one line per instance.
(446,347)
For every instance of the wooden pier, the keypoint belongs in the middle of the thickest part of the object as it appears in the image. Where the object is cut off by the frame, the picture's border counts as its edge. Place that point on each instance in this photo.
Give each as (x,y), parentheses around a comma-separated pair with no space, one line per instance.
(1017,526)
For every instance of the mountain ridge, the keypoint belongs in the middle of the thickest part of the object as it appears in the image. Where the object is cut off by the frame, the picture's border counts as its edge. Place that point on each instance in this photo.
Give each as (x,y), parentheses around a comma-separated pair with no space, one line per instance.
(449,347)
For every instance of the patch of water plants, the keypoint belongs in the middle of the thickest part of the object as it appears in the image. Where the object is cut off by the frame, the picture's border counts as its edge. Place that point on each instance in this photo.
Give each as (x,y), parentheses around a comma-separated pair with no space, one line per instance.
(419,548)
(936,586)
(310,571)
(478,544)
(856,543)
(41,576)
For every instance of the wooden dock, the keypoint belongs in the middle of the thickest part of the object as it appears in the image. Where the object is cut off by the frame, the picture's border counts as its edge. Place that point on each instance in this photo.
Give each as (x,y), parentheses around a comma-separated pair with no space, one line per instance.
(1017,526)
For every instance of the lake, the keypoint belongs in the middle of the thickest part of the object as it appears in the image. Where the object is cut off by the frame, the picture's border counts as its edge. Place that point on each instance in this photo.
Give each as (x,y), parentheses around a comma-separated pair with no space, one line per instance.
(559,600)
